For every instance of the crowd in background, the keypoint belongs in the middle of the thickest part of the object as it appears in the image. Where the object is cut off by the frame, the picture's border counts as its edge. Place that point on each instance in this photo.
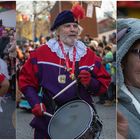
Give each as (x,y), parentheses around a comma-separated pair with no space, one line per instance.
(8,56)
(105,49)
(13,53)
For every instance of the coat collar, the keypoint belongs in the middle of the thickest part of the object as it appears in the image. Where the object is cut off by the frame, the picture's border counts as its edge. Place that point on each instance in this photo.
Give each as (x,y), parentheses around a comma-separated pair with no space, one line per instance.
(81,49)
(130,97)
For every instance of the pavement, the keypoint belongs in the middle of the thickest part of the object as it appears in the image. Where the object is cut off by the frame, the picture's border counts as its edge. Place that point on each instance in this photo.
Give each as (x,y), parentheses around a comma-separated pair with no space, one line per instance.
(23,129)
(107,115)
(7,120)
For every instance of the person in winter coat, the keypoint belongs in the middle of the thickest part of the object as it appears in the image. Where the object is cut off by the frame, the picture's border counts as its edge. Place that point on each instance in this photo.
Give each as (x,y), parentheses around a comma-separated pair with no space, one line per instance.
(128,78)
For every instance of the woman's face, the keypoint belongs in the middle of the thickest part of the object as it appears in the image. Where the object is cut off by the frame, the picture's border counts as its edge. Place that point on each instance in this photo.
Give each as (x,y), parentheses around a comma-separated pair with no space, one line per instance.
(68,33)
(131,67)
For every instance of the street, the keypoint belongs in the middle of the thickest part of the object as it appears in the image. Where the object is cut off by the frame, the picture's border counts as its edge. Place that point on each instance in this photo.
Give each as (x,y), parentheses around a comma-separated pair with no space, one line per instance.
(107,115)
(7,120)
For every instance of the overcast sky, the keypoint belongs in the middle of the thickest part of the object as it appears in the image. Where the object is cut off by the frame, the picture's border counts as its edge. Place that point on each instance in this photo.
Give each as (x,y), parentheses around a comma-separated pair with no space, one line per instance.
(107,5)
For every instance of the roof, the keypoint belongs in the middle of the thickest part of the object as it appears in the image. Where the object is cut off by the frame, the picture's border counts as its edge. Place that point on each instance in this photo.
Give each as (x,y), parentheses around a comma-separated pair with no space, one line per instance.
(128,4)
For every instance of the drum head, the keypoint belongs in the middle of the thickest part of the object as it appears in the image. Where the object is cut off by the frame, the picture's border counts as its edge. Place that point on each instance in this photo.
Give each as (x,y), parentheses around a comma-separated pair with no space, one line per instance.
(71,120)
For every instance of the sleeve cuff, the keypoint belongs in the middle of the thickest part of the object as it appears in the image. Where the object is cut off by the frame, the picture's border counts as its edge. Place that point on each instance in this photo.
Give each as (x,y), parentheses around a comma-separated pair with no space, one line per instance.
(31,95)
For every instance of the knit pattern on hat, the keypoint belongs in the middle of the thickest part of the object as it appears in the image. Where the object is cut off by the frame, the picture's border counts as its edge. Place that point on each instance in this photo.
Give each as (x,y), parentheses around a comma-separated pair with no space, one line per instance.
(126,41)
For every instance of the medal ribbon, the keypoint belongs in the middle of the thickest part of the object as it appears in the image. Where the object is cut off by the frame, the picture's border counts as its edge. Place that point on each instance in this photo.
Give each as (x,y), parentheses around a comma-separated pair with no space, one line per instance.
(67,59)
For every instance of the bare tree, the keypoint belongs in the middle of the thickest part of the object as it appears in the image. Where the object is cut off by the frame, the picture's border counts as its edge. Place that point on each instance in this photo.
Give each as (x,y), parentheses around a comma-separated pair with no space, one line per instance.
(35,10)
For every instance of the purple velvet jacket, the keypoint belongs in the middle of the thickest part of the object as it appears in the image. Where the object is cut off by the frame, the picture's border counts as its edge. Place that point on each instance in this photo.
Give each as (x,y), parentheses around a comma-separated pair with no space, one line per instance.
(42,70)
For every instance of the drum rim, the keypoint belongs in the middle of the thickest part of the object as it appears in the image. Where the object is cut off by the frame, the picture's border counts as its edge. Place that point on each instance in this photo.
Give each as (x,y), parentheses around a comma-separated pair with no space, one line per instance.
(91,111)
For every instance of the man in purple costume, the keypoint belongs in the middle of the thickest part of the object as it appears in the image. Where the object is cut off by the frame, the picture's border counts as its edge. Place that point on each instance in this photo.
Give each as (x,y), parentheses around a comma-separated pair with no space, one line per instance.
(53,66)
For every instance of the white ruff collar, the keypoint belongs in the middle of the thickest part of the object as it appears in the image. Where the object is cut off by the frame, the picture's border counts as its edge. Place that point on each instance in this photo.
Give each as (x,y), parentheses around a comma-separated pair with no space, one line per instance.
(81,49)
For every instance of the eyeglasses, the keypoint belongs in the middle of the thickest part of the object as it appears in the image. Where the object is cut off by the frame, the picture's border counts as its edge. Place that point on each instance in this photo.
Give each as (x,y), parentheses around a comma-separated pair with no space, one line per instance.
(136,51)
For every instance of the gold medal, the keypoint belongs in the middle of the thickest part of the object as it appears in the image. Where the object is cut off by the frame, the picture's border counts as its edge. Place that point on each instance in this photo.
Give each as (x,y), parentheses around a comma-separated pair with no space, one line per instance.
(69,69)
(72,76)
(62,79)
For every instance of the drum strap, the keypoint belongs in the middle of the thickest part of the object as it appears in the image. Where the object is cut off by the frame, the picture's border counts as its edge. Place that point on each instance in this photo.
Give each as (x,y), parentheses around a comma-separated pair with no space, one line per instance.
(48,101)
(77,71)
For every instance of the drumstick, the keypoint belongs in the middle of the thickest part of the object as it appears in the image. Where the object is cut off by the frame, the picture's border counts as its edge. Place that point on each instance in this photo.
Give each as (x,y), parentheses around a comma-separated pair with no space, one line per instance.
(71,84)
(45,113)
(63,90)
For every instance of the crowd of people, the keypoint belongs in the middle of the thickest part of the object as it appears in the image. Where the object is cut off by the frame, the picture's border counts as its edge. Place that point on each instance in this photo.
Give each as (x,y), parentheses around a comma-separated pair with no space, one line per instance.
(12,53)
(8,57)
(46,73)
(105,49)
(68,56)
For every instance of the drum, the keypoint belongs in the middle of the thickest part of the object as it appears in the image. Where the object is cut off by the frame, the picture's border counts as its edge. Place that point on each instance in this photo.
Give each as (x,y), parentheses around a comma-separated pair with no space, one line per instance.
(75,119)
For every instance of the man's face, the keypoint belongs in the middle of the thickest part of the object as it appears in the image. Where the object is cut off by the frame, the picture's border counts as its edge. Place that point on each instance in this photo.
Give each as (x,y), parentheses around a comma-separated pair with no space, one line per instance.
(132,68)
(68,33)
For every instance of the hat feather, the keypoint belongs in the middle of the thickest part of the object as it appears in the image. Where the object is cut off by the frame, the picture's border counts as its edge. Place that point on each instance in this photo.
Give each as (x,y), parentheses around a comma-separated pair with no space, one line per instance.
(78,11)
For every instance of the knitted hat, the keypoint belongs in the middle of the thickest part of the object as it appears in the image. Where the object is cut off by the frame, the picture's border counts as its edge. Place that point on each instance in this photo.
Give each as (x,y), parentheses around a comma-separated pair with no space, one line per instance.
(68,16)
(128,31)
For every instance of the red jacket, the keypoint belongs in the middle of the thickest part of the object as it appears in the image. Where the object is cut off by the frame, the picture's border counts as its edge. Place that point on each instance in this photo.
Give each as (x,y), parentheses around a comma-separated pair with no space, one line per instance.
(42,69)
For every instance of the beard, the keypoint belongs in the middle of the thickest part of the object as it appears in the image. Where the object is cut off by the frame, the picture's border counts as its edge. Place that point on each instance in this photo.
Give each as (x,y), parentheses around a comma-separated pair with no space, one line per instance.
(68,40)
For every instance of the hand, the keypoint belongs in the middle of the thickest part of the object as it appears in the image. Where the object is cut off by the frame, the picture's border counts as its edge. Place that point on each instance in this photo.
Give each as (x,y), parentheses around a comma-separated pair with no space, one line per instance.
(85,77)
(38,110)
(122,126)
